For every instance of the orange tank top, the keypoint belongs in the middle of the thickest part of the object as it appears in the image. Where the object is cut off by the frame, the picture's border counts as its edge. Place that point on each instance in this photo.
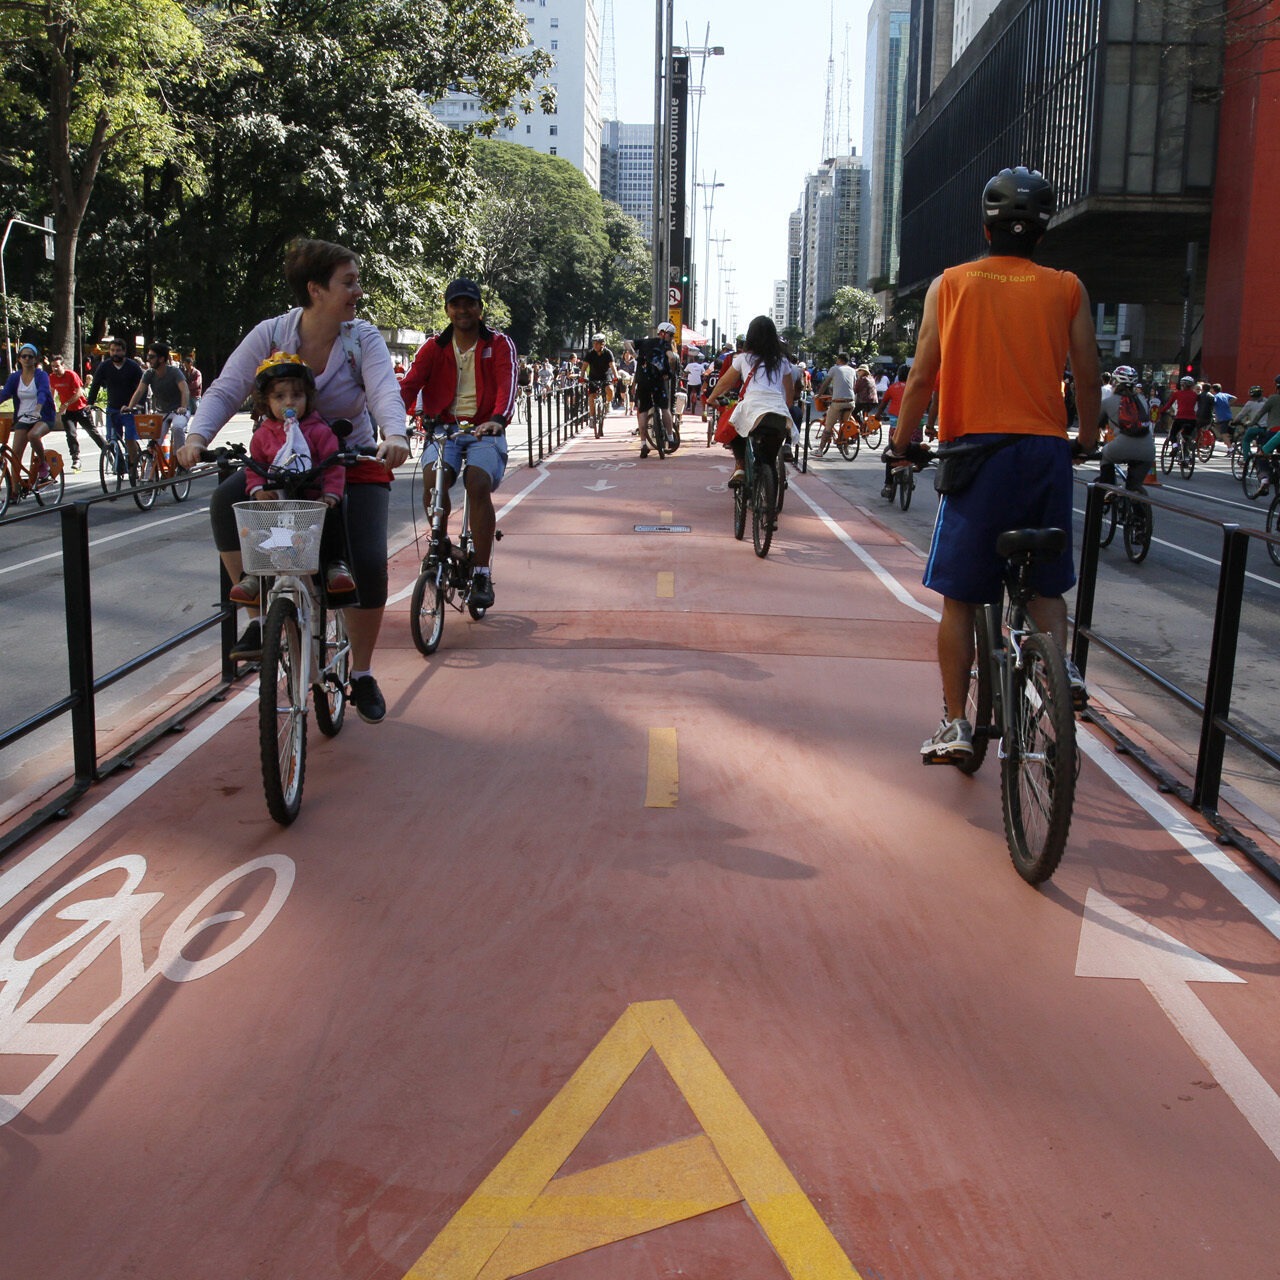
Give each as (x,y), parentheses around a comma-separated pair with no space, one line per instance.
(1004,326)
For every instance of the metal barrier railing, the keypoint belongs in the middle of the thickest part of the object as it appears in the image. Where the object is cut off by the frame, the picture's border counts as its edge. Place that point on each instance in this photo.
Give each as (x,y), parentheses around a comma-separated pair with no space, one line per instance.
(1214,708)
(552,419)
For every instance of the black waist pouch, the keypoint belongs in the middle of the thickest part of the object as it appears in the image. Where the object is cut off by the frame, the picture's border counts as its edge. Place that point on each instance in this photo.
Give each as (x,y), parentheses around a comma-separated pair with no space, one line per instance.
(958,465)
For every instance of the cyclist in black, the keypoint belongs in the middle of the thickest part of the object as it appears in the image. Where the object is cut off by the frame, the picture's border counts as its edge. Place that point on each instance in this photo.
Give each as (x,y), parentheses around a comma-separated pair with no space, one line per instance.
(657,368)
(598,368)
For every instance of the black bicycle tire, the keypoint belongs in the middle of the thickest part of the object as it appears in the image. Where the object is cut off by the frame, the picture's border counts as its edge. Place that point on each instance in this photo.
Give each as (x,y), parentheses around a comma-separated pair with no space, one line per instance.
(763,509)
(148,471)
(282,776)
(1137,532)
(44,493)
(1273,517)
(977,707)
(824,443)
(783,484)
(1251,477)
(1187,461)
(1036,858)
(329,695)
(1235,459)
(181,481)
(848,444)
(906,487)
(1166,455)
(111,475)
(6,487)
(1204,452)
(427,641)
(875,436)
(740,510)
(1110,519)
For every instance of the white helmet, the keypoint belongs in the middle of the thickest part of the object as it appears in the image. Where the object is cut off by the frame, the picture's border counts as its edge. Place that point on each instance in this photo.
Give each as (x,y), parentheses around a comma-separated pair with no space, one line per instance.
(597,337)
(666,327)
(1125,374)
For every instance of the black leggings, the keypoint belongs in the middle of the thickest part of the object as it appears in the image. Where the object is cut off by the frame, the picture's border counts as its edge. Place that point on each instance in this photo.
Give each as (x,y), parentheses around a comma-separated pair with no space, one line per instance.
(367,507)
(769,434)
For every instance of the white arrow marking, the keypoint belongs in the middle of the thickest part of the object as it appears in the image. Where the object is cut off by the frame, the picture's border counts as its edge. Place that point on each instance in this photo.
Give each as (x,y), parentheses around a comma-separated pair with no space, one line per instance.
(1114,943)
(600,486)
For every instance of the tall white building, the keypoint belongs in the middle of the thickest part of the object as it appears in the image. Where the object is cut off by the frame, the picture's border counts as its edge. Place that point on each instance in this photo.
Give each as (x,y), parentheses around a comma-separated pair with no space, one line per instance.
(778,312)
(626,170)
(883,125)
(832,242)
(570,31)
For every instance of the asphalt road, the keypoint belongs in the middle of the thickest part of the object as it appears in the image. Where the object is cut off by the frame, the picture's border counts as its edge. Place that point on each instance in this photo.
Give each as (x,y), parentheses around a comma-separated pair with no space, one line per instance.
(1161,611)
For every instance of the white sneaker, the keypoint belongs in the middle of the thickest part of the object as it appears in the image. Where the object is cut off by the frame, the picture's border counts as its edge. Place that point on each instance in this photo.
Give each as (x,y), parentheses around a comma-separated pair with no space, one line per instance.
(952,740)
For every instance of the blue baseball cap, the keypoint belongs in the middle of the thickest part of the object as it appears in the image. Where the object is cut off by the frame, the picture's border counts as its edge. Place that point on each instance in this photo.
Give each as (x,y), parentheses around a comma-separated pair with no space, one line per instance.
(462,289)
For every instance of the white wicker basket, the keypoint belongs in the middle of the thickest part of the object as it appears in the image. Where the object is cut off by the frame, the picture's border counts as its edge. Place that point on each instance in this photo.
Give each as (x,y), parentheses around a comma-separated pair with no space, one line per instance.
(281,536)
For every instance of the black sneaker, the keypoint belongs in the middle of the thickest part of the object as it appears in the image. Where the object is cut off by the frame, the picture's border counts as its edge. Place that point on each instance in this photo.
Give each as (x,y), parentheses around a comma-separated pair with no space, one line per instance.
(644,450)
(482,591)
(249,647)
(367,699)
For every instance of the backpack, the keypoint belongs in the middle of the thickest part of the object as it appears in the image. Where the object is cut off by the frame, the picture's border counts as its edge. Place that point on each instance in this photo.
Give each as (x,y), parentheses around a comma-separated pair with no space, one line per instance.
(652,365)
(1132,420)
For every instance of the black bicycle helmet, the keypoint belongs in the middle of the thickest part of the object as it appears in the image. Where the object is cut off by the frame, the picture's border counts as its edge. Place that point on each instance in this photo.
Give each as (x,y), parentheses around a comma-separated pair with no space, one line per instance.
(1018,195)
(283,364)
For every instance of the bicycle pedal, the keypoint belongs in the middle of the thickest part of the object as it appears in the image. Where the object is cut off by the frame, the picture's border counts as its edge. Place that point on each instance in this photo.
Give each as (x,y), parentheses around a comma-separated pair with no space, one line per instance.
(942,757)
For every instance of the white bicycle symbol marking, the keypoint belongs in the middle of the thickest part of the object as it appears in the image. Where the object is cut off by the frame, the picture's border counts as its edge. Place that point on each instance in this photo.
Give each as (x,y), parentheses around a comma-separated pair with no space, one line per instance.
(105,921)
(611,466)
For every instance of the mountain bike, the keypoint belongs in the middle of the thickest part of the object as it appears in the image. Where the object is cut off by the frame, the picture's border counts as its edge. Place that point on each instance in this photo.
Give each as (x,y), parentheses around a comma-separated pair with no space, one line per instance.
(1178,451)
(448,570)
(758,492)
(304,638)
(1020,697)
(1132,515)
(156,464)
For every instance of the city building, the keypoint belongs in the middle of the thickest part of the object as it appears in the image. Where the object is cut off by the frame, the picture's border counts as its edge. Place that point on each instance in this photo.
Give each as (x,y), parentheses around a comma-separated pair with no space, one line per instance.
(795,267)
(626,170)
(832,241)
(570,31)
(1117,106)
(883,126)
(778,312)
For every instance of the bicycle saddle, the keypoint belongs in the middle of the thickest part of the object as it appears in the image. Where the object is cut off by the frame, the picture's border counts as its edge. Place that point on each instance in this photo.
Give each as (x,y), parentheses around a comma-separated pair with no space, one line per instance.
(1040,544)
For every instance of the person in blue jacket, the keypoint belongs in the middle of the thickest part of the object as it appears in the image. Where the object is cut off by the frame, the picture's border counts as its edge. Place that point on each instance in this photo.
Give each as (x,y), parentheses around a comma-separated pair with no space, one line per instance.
(33,413)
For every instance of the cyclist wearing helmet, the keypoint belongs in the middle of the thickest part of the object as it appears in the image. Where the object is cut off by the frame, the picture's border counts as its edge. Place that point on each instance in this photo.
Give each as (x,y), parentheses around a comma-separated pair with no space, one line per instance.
(1182,403)
(597,368)
(1018,323)
(1248,413)
(284,395)
(657,371)
(356,381)
(1126,409)
(1266,428)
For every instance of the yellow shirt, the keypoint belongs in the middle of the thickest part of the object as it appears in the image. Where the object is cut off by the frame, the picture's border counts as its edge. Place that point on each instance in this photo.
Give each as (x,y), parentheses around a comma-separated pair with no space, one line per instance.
(464,399)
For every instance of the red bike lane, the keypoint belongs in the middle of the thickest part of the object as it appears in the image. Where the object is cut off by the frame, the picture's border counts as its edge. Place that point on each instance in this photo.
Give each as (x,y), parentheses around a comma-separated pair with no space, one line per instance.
(636,942)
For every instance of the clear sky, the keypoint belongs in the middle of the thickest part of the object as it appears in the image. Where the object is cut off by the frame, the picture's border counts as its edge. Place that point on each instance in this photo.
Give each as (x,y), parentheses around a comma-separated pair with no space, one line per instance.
(761,125)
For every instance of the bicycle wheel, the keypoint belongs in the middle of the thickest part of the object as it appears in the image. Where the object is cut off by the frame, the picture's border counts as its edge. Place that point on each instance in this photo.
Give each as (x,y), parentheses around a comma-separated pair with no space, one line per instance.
(330,693)
(181,484)
(282,713)
(6,490)
(740,511)
(1166,455)
(1038,769)
(1252,477)
(1205,445)
(1187,461)
(49,493)
(824,443)
(111,470)
(1236,458)
(781,496)
(906,486)
(1137,532)
(875,435)
(977,705)
(763,491)
(149,470)
(1110,518)
(1273,520)
(850,440)
(426,612)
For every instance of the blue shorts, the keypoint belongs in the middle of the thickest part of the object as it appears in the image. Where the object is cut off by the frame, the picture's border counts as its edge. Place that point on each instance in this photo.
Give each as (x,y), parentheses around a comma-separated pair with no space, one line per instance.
(1025,486)
(488,453)
(116,418)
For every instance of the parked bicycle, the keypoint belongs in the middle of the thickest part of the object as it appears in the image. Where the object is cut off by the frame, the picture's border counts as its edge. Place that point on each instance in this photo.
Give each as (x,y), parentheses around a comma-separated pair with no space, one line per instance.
(19,482)
(304,639)
(1020,697)
(447,575)
(156,464)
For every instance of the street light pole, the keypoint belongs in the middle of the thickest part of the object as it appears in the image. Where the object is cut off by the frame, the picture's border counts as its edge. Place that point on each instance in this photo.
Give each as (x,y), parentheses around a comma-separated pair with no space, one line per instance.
(703,52)
(4,288)
(710,189)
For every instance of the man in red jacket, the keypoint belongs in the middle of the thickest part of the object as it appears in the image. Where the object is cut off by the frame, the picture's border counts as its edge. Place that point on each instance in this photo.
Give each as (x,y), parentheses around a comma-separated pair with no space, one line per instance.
(467,375)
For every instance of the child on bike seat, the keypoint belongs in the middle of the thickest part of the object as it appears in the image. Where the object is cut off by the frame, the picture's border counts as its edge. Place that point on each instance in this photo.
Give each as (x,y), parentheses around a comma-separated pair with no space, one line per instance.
(284,392)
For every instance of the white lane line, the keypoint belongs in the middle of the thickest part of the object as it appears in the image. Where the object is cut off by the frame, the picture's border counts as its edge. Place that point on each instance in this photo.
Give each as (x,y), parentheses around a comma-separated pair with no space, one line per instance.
(68,838)
(886,579)
(110,537)
(1196,555)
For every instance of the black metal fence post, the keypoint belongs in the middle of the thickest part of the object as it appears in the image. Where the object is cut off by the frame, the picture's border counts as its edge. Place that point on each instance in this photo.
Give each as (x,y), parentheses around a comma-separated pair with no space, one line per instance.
(79,622)
(1222,664)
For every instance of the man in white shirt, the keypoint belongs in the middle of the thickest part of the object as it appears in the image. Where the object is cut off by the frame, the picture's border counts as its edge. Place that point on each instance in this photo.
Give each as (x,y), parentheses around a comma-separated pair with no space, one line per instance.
(694,372)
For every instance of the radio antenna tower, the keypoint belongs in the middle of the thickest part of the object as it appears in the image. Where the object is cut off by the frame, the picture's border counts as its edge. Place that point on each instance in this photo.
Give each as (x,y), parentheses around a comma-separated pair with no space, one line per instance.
(828,121)
(844,133)
(608,70)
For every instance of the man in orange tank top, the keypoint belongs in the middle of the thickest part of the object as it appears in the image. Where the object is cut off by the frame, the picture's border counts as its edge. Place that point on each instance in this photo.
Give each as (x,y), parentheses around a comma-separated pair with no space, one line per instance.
(994,340)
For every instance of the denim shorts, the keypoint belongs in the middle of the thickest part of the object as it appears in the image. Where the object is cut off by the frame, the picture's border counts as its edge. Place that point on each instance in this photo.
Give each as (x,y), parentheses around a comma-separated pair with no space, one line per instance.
(1026,486)
(488,453)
